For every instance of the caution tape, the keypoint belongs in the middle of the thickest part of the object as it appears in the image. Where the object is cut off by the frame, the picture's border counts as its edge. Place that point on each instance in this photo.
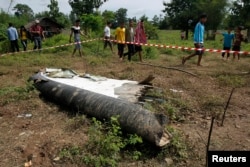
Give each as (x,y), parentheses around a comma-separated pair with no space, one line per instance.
(182,47)
(52,47)
(142,44)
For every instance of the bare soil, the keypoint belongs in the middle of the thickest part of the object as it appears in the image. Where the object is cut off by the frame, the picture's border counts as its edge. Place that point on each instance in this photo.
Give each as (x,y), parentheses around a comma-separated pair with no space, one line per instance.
(46,132)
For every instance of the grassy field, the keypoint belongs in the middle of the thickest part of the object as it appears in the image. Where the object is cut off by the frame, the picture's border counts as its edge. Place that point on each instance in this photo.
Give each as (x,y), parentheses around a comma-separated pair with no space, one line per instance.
(54,136)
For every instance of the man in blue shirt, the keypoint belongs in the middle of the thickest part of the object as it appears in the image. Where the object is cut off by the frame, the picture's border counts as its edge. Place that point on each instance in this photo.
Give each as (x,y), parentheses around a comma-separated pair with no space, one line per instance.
(198,40)
(13,37)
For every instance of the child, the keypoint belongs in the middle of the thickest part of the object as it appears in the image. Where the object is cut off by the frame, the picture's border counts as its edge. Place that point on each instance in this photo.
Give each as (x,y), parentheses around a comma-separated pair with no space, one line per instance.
(237,42)
(227,44)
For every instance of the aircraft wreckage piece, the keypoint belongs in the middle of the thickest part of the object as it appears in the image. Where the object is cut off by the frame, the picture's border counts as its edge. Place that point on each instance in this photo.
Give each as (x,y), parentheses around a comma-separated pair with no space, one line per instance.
(96,96)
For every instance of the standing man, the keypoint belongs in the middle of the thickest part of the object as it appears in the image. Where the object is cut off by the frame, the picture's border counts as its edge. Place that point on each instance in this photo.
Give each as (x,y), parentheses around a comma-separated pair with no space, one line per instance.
(140,37)
(237,42)
(129,37)
(120,37)
(13,37)
(107,35)
(76,30)
(198,40)
(37,33)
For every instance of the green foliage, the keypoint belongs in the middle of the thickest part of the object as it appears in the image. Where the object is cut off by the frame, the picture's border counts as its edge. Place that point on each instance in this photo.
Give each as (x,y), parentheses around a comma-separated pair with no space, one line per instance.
(54,9)
(151,31)
(231,80)
(4,46)
(23,10)
(121,15)
(56,40)
(150,53)
(104,145)
(239,15)
(108,16)
(92,22)
(82,7)
(13,93)
(54,13)
(180,16)
(177,147)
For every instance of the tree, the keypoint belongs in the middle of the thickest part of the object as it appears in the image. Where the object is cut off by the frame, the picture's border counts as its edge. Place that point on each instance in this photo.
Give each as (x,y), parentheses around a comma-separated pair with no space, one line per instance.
(80,7)
(216,11)
(178,12)
(164,23)
(156,20)
(23,10)
(42,14)
(108,15)
(184,14)
(240,16)
(54,13)
(121,15)
(54,9)
(92,22)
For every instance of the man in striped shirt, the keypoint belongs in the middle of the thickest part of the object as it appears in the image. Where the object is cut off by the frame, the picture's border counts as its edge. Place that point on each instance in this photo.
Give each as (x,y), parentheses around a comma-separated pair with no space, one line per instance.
(198,40)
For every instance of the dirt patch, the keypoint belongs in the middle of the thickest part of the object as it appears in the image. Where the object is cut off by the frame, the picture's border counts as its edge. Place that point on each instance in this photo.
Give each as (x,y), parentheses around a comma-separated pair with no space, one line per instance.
(46,130)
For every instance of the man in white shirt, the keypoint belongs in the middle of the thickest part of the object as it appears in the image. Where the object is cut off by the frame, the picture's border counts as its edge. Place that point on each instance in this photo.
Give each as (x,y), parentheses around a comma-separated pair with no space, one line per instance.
(107,35)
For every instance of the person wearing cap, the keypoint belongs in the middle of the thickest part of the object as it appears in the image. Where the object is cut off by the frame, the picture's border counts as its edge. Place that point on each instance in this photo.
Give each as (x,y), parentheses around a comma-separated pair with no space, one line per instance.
(13,37)
(76,30)
(38,34)
(198,40)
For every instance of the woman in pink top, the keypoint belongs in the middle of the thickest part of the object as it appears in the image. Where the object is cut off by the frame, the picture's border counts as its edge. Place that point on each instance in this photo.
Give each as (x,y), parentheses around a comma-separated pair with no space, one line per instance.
(140,38)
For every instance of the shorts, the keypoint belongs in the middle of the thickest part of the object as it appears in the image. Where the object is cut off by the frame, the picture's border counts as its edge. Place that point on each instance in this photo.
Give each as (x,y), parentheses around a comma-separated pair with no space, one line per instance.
(199,52)
(77,44)
(236,48)
(138,48)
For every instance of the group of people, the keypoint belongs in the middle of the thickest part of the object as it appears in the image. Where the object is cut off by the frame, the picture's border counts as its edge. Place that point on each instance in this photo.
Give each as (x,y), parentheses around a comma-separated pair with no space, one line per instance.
(36,33)
(129,36)
(230,40)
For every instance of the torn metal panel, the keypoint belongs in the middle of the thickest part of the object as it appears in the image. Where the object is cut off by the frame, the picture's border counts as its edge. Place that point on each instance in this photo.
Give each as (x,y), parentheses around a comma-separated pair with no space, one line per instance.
(103,98)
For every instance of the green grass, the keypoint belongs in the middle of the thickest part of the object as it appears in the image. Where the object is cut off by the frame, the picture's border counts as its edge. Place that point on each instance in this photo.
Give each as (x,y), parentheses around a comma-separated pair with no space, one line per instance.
(106,144)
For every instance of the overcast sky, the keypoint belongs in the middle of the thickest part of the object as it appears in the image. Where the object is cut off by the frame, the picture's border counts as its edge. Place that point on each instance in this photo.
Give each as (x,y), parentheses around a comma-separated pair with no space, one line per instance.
(136,8)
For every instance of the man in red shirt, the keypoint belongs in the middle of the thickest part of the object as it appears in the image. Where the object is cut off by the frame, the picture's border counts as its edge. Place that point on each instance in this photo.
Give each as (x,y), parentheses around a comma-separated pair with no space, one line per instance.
(37,34)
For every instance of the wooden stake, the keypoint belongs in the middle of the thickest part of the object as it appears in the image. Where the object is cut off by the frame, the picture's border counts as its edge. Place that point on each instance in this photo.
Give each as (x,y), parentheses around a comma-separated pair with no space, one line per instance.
(208,140)
(225,109)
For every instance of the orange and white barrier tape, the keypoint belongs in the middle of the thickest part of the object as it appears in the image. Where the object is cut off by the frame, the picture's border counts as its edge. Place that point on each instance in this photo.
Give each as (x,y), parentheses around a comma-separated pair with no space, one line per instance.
(183,47)
(52,47)
(142,44)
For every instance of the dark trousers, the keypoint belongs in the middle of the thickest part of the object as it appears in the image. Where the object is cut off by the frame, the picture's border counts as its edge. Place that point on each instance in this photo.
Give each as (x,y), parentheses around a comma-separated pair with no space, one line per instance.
(131,51)
(120,49)
(37,43)
(24,43)
(107,42)
(14,45)
(227,49)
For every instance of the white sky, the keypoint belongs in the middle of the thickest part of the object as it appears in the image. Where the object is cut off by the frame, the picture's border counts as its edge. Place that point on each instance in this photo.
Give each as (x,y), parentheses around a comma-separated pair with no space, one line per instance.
(136,8)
